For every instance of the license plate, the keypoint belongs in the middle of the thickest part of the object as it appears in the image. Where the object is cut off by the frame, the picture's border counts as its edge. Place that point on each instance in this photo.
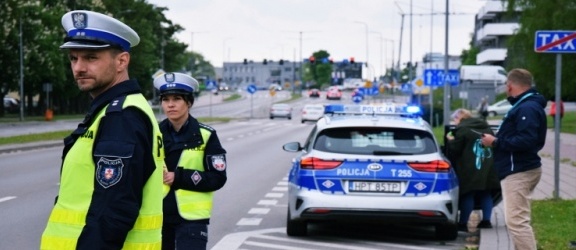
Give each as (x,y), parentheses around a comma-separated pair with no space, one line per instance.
(373,186)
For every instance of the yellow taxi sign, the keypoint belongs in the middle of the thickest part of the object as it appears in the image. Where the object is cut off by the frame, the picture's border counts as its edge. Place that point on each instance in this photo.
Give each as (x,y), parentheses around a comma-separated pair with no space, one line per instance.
(272,91)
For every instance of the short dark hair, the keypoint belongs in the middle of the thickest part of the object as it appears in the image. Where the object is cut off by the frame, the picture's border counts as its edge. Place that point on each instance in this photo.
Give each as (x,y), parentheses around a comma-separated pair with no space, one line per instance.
(520,76)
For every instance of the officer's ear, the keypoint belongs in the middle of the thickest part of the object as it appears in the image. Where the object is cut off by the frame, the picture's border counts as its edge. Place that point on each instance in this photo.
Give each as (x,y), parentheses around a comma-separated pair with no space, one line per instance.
(190,99)
(122,58)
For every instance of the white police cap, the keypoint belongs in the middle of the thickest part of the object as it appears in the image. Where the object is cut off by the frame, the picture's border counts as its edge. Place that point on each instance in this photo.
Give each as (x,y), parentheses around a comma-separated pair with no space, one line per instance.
(91,30)
(176,83)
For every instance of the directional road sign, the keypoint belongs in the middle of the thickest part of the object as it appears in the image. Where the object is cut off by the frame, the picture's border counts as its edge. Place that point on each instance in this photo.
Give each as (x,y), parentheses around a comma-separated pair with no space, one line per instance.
(251,88)
(435,77)
(369,91)
(210,85)
(357,98)
(555,41)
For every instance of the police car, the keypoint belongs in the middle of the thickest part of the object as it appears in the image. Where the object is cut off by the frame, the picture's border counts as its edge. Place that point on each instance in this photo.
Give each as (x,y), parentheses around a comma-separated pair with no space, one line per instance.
(372,163)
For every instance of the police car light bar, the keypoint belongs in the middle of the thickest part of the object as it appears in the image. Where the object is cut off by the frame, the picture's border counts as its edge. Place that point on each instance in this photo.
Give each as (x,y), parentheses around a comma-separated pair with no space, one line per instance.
(382,109)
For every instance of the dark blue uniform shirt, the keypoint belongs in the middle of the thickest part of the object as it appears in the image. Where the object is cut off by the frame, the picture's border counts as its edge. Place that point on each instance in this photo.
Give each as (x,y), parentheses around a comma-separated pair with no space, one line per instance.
(126,133)
(211,179)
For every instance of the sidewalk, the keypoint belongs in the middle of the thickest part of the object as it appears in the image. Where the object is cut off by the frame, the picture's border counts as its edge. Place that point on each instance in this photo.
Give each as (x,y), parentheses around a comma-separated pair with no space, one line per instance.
(497,238)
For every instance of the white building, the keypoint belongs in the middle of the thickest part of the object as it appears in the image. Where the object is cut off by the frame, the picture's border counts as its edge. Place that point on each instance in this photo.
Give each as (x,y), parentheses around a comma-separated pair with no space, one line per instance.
(493,27)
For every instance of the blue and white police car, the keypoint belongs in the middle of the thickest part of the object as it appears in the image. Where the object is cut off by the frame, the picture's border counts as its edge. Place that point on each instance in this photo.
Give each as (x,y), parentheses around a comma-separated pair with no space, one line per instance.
(373,163)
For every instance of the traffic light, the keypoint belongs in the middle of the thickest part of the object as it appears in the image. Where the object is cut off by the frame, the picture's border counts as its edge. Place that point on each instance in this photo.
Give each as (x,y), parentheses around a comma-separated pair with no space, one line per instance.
(265,61)
(352,60)
(281,62)
(331,61)
(312,60)
(245,61)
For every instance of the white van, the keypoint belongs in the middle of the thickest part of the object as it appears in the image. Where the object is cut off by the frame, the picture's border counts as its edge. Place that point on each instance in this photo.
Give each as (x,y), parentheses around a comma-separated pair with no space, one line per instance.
(487,74)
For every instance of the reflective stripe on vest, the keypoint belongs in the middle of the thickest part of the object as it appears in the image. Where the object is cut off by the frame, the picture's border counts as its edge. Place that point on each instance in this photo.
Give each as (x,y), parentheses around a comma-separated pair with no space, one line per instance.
(194,205)
(68,216)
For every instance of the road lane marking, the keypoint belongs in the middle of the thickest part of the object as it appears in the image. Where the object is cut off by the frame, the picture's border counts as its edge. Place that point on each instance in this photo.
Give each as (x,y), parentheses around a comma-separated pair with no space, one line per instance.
(249,222)
(259,210)
(7,198)
(280,189)
(268,202)
(274,195)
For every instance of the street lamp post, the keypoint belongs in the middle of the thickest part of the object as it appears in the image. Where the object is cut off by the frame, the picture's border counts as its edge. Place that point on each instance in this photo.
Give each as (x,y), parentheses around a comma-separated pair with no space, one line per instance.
(382,68)
(367,53)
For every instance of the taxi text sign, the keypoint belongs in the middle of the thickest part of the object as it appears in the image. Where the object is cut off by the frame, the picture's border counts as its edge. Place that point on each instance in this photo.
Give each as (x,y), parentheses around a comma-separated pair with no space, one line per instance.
(555,41)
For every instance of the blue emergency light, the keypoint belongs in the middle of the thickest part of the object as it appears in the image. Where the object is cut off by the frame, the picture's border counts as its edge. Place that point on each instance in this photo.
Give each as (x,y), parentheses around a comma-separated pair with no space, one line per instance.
(376,109)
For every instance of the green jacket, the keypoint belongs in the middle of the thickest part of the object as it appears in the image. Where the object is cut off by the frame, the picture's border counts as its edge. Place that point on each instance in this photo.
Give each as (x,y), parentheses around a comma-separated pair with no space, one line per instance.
(464,159)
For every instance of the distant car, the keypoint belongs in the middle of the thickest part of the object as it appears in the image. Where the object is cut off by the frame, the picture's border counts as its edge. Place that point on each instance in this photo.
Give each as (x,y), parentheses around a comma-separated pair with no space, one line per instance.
(314,93)
(281,110)
(11,105)
(275,86)
(334,93)
(312,112)
(499,108)
(385,167)
(223,87)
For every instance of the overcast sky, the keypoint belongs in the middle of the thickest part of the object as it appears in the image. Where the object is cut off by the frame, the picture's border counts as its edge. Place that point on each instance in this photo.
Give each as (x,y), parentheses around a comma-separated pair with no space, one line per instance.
(232,30)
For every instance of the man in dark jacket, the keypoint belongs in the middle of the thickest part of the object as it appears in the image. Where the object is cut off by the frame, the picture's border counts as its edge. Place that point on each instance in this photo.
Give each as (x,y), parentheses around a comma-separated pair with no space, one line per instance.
(520,136)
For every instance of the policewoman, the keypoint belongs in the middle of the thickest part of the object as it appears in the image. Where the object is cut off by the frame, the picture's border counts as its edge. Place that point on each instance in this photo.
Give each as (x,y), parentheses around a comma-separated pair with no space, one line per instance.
(195,165)
(110,193)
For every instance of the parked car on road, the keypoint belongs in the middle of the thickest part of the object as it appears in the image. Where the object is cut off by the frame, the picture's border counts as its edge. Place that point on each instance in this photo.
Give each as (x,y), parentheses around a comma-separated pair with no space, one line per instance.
(281,110)
(314,93)
(334,93)
(11,105)
(499,108)
(384,167)
(312,112)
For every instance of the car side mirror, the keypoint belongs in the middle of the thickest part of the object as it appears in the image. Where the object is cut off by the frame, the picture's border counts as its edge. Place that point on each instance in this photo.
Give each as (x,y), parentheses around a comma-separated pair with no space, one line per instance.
(292,147)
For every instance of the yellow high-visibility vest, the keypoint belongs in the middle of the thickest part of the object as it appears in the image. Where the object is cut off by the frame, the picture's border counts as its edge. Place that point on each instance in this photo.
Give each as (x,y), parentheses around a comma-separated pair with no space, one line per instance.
(68,216)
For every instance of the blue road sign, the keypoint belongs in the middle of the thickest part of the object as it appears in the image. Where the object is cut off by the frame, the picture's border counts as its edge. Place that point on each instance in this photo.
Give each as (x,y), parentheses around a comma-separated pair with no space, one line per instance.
(251,88)
(435,77)
(357,98)
(554,41)
(368,91)
(210,84)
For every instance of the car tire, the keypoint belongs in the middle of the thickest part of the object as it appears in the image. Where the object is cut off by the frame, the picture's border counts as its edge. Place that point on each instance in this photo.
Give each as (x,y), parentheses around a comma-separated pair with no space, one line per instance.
(447,231)
(289,117)
(295,227)
(303,121)
(271,117)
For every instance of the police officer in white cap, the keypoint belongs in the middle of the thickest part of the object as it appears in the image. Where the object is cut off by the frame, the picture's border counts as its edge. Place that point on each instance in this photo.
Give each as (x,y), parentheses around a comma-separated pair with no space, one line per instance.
(195,161)
(110,193)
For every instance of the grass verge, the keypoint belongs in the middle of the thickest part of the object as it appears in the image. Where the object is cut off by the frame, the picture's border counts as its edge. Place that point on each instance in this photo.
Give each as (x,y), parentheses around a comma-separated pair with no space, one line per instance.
(554,223)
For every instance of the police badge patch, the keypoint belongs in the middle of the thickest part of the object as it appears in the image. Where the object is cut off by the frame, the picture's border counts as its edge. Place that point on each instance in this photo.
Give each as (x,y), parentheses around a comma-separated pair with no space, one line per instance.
(196,177)
(80,20)
(109,171)
(218,162)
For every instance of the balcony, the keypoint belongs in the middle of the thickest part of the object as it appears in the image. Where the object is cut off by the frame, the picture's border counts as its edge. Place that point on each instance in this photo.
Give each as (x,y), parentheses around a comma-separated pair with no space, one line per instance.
(491,55)
(493,30)
(490,10)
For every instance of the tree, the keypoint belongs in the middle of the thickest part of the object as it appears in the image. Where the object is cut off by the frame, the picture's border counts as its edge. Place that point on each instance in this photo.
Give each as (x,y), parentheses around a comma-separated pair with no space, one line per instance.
(320,71)
(543,15)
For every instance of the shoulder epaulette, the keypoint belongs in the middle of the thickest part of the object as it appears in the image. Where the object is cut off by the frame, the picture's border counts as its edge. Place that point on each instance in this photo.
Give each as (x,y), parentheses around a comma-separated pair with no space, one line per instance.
(116,105)
(202,125)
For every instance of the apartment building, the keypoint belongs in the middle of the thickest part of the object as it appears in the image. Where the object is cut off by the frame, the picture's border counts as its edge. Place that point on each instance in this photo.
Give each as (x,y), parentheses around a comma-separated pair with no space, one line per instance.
(493,26)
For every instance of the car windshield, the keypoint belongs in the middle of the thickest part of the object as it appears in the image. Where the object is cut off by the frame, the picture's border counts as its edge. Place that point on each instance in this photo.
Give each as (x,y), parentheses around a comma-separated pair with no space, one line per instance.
(375,141)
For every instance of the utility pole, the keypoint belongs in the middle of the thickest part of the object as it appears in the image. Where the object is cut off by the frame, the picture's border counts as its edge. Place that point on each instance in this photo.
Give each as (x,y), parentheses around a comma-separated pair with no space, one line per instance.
(400,43)
(21,70)
(446,85)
